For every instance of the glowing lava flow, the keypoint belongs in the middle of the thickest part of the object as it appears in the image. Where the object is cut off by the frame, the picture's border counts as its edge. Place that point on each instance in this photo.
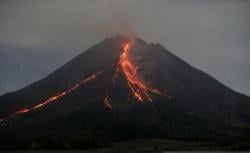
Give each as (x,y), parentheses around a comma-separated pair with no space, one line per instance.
(125,66)
(53,99)
(139,90)
(137,87)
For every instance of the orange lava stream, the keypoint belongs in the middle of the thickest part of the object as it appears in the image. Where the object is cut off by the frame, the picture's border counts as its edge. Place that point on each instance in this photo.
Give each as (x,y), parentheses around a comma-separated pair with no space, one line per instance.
(139,90)
(53,99)
(107,102)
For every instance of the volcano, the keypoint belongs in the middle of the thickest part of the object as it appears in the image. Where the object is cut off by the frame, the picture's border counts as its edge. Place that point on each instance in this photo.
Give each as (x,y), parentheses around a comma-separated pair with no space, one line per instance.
(122,89)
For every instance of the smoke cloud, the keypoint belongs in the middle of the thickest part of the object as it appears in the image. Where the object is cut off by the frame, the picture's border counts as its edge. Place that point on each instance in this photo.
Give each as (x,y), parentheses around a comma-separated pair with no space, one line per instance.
(39,36)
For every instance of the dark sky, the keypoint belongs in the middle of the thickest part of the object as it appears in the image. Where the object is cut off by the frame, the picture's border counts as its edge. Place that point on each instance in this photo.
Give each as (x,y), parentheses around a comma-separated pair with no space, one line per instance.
(38,36)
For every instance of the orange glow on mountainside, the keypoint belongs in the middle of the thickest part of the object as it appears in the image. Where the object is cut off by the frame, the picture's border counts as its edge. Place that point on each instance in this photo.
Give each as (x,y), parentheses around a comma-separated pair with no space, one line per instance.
(53,99)
(138,89)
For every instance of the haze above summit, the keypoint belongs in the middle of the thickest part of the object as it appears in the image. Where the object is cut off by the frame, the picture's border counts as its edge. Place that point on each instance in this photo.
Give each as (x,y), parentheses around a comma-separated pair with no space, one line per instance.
(37,37)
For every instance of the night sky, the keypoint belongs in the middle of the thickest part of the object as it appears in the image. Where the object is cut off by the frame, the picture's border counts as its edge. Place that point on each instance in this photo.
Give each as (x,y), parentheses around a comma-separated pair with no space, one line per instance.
(38,36)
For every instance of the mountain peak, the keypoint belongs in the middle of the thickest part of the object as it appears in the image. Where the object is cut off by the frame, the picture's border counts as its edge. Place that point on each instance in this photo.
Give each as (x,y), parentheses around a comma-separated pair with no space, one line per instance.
(130,84)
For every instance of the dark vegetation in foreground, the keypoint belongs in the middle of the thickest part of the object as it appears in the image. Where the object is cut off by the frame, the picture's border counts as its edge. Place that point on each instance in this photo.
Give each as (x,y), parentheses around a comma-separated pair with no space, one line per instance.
(90,142)
(53,142)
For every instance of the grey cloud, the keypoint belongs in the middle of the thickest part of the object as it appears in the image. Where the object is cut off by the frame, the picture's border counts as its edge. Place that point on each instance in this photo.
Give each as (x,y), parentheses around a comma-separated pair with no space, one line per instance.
(212,35)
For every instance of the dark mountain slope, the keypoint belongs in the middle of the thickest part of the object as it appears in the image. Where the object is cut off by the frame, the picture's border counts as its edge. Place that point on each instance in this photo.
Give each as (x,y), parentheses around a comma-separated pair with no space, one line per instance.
(200,107)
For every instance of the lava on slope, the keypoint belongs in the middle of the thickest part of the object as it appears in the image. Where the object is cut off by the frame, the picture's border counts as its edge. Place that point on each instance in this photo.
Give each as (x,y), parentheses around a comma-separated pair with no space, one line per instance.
(125,66)
(54,98)
(138,89)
